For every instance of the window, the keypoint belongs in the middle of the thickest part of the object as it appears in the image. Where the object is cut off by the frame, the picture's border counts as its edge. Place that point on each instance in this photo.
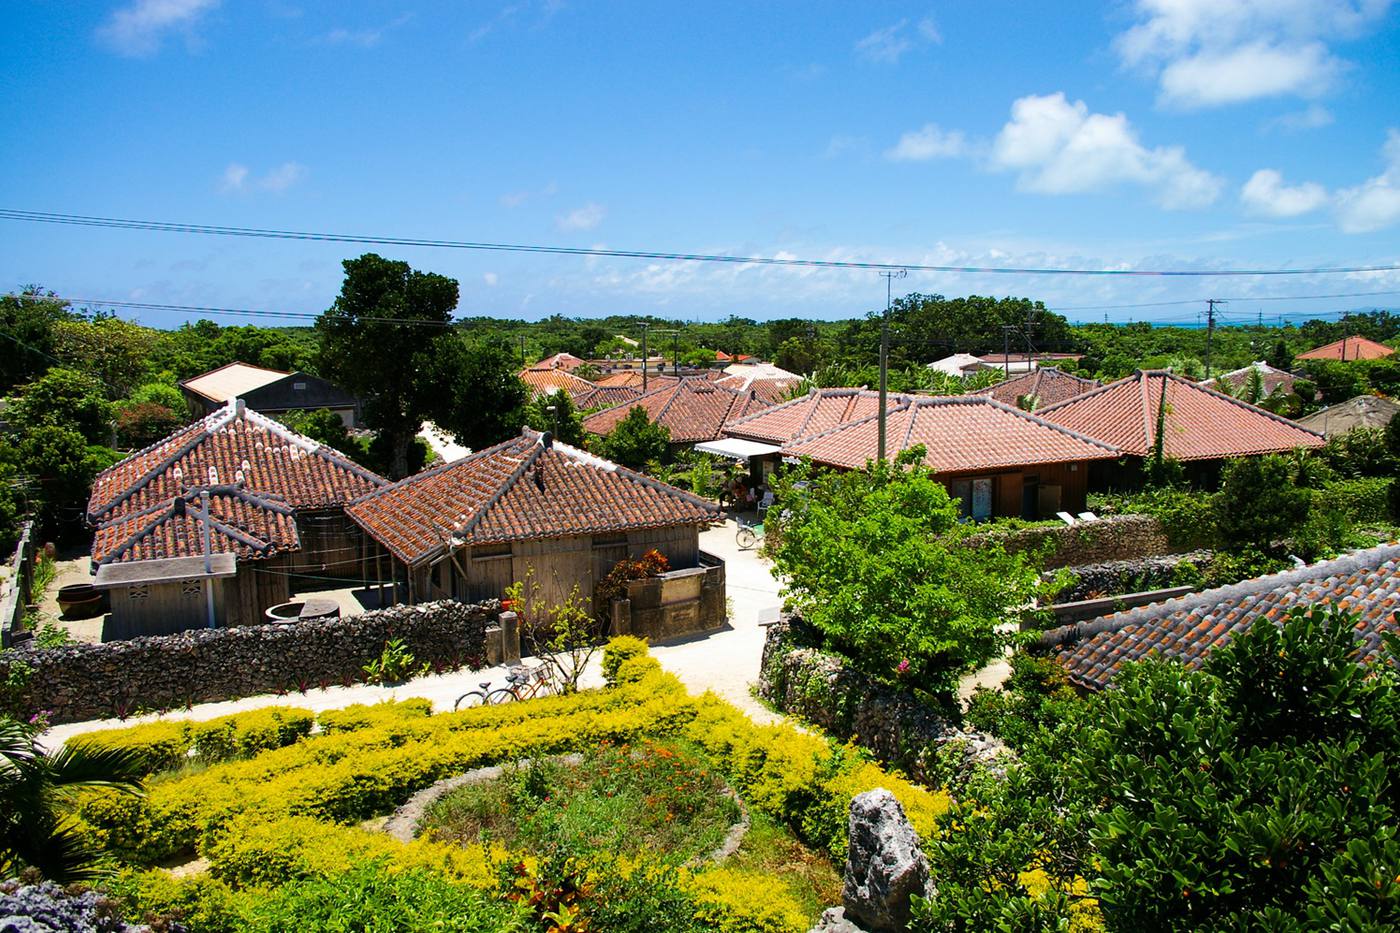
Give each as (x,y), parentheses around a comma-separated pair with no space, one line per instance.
(139,591)
(960,491)
(299,386)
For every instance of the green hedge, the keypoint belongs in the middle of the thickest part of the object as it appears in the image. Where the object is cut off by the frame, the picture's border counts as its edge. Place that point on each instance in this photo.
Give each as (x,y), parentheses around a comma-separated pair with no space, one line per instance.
(171,743)
(1364,501)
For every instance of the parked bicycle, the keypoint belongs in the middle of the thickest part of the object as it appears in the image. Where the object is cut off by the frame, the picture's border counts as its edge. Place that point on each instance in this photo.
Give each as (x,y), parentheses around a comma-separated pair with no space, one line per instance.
(749,534)
(522,683)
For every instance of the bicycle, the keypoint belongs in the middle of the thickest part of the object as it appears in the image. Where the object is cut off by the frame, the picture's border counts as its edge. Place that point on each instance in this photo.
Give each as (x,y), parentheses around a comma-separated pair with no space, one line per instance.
(748,534)
(522,683)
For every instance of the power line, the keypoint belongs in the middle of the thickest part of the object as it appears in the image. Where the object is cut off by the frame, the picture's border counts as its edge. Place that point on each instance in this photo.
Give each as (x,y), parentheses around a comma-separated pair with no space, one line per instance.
(84,220)
(1196,301)
(244,312)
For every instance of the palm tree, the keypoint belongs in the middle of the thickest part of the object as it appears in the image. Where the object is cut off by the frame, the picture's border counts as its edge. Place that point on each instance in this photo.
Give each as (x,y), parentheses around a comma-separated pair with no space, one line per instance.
(35,785)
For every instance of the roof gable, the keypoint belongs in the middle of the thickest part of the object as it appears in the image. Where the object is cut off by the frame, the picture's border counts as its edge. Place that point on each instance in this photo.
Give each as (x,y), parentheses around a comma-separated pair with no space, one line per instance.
(524,488)
(233,445)
(817,411)
(242,523)
(1049,384)
(1200,423)
(1188,629)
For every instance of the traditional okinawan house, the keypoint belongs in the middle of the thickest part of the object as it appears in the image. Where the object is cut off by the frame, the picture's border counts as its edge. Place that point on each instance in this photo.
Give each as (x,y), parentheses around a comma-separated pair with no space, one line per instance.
(1364,411)
(770,383)
(600,397)
(270,391)
(633,379)
(534,507)
(994,459)
(1272,381)
(1348,349)
(1187,629)
(235,492)
(1199,427)
(548,381)
(564,361)
(757,440)
(1010,363)
(1032,391)
(693,410)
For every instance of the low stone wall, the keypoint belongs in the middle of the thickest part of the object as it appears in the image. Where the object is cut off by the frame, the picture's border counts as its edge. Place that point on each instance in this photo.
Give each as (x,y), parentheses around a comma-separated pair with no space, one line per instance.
(1126,576)
(81,682)
(898,729)
(1119,537)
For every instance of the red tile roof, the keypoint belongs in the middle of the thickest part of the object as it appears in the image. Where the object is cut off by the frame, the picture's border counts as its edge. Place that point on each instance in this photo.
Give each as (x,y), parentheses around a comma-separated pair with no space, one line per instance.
(817,411)
(1048,384)
(606,397)
(560,361)
(771,390)
(961,434)
(1275,380)
(1349,348)
(543,381)
(693,409)
(1201,424)
(633,378)
(233,445)
(245,524)
(521,489)
(1188,629)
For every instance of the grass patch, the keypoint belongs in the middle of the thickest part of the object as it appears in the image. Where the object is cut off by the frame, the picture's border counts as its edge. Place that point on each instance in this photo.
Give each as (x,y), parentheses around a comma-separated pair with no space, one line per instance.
(651,797)
(768,848)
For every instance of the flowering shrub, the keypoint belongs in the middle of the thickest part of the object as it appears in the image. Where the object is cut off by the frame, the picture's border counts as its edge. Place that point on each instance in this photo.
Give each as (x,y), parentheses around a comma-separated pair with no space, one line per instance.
(614,586)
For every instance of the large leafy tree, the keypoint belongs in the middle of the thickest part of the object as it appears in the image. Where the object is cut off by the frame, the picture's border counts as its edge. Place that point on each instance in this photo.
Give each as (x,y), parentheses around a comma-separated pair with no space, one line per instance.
(114,351)
(27,321)
(636,440)
(875,561)
(481,399)
(385,339)
(555,412)
(64,398)
(35,787)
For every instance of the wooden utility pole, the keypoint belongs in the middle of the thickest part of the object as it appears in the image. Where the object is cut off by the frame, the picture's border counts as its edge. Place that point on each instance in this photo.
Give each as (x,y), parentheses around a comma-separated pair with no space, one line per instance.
(889,278)
(1210,327)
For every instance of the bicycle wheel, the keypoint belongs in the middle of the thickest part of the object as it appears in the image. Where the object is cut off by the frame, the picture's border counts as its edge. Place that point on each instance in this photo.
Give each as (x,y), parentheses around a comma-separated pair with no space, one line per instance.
(469,700)
(746,538)
(500,695)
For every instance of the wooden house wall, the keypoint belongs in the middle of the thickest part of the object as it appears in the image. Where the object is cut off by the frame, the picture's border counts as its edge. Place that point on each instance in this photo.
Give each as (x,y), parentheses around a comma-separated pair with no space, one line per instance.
(332,545)
(259,585)
(1008,487)
(164,609)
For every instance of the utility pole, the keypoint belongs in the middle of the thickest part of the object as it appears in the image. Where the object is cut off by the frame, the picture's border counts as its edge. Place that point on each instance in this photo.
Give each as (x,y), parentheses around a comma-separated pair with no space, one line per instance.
(676,351)
(644,357)
(889,278)
(1210,327)
(522,351)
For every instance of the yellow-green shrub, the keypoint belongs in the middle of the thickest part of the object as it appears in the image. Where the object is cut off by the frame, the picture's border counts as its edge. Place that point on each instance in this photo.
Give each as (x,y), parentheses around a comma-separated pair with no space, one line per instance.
(164,744)
(741,902)
(200,902)
(619,650)
(370,715)
(245,734)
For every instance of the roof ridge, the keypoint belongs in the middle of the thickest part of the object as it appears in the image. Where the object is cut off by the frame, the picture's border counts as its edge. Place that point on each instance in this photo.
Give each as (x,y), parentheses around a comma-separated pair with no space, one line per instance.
(1079,631)
(1099,390)
(435,470)
(1239,402)
(1032,416)
(1148,421)
(536,450)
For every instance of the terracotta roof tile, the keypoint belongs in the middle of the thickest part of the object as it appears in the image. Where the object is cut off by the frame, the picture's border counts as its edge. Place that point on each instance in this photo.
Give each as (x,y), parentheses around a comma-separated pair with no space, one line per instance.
(1201,424)
(693,410)
(1047,383)
(231,446)
(820,410)
(1190,627)
(1274,380)
(605,397)
(520,489)
(245,524)
(963,433)
(543,381)
(1348,348)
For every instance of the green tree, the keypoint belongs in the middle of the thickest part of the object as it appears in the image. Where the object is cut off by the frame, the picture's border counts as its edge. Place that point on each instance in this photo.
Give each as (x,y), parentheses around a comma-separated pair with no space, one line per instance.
(159,393)
(480,397)
(1259,503)
(875,561)
(1280,357)
(323,426)
(27,323)
(555,412)
(385,339)
(142,423)
(63,398)
(116,352)
(35,787)
(57,465)
(636,441)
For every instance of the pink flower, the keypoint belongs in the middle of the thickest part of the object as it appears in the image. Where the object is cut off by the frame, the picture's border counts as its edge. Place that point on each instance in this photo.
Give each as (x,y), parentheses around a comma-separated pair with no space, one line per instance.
(903,667)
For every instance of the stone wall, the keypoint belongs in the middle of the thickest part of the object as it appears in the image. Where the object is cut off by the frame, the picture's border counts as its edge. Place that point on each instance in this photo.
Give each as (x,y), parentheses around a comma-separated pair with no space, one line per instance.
(81,682)
(897,728)
(674,604)
(1120,537)
(1126,576)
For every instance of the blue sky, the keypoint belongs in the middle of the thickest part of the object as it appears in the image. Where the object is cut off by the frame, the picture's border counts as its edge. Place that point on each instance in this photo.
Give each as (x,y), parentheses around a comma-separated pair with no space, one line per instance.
(1144,134)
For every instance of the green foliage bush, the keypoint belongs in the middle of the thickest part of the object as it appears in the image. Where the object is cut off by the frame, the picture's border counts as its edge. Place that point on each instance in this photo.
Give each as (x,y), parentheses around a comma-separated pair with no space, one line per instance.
(619,651)
(1364,501)
(168,744)
(375,715)
(636,441)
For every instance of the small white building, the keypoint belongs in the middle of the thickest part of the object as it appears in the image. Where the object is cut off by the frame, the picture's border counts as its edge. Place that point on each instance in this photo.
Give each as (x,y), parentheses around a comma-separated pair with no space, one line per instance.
(959,364)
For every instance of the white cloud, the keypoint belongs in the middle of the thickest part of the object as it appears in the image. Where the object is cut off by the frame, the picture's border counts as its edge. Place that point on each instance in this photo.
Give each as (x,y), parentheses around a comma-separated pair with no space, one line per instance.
(1312,117)
(1209,53)
(364,38)
(1058,147)
(1267,195)
(888,44)
(138,29)
(928,142)
(519,198)
(1375,203)
(238,178)
(490,278)
(587,217)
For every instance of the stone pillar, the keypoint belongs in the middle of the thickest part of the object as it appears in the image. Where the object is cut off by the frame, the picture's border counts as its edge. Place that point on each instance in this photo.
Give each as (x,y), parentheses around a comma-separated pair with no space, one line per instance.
(510,638)
(621,617)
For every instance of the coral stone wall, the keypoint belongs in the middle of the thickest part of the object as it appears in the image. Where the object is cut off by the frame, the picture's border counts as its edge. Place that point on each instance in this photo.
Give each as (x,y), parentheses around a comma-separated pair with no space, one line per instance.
(1121,537)
(81,682)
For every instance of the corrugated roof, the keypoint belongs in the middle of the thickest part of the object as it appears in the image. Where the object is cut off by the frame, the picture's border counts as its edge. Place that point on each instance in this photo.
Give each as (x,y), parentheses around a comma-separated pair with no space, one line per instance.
(520,489)
(242,523)
(228,447)
(1200,423)
(231,381)
(961,434)
(1188,629)
(693,409)
(1348,348)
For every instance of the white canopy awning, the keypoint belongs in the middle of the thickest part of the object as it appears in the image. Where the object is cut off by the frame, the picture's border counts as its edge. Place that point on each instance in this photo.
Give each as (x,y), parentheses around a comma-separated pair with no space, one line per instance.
(736,448)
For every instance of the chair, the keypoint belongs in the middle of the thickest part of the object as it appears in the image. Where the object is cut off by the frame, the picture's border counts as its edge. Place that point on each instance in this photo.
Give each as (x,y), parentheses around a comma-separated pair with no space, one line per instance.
(1065,517)
(1088,517)
(766,502)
